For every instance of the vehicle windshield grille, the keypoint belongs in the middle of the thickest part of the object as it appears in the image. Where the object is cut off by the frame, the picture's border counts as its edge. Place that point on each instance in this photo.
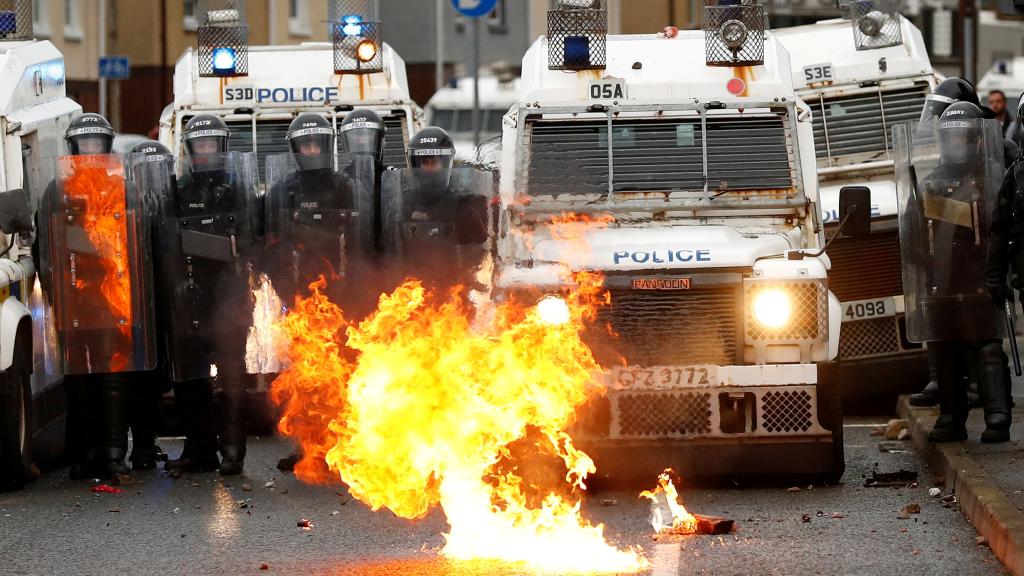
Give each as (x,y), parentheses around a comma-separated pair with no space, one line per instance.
(855,129)
(666,155)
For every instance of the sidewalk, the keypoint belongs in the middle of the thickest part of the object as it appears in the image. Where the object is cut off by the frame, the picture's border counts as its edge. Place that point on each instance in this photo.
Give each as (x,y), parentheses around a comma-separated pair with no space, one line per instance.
(988,479)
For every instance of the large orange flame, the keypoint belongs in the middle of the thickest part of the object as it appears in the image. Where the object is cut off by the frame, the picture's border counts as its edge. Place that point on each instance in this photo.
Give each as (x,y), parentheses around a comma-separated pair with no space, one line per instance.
(415,407)
(98,182)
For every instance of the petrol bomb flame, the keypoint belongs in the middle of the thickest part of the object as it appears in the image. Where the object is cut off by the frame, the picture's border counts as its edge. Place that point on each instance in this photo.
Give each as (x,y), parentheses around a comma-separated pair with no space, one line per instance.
(98,183)
(682,522)
(265,338)
(414,407)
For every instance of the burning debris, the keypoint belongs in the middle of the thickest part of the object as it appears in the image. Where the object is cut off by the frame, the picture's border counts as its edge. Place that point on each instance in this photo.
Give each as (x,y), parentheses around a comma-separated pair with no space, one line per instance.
(683,523)
(416,407)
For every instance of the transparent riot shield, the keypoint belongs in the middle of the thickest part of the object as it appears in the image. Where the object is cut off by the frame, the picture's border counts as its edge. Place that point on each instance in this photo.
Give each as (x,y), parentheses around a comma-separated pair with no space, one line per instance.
(208,228)
(439,232)
(363,175)
(314,227)
(948,175)
(99,258)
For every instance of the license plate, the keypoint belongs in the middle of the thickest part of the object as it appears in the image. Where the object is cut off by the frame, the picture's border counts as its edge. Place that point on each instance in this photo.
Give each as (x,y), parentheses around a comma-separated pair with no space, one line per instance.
(817,73)
(608,89)
(867,309)
(663,377)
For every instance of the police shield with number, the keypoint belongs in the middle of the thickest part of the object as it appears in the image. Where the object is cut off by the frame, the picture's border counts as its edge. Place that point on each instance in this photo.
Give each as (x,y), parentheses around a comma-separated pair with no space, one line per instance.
(436,217)
(948,171)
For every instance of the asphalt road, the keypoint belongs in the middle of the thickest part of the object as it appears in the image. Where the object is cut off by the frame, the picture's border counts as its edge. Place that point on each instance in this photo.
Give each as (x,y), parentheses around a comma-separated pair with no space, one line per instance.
(196,525)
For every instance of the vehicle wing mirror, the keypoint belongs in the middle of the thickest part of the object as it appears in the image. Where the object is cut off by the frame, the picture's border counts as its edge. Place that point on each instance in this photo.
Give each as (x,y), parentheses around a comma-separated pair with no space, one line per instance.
(855,211)
(15,215)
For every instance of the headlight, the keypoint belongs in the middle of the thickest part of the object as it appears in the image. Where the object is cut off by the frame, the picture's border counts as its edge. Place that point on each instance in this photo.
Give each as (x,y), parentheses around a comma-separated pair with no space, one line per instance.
(773,308)
(734,34)
(553,310)
(366,50)
(871,23)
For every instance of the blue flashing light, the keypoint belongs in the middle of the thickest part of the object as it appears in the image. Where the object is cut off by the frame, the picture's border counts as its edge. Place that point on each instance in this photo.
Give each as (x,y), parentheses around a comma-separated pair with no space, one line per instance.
(224,60)
(577,51)
(353,25)
(8,22)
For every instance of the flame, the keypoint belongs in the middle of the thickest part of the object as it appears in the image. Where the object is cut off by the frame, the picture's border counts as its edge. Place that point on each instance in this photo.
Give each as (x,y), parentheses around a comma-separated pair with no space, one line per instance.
(415,407)
(264,338)
(98,183)
(682,521)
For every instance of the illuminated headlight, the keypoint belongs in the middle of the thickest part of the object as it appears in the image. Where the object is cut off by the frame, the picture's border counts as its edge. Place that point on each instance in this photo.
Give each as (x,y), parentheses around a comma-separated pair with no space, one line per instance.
(553,310)
(366,50)
(773,308)
(871,23)
(224,60)
(734,34)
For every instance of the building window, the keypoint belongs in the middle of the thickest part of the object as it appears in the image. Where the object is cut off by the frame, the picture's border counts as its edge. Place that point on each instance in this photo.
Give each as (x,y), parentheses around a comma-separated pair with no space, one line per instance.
(73,20)
(40,18)
(189,21)
(298,18)
(496,19)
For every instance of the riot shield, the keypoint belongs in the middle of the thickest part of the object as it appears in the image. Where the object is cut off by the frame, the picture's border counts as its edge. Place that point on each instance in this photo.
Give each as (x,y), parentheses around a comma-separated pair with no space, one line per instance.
(207,229)
(363,174)
(99,257)
(439,232)
(947,182)
(314,227)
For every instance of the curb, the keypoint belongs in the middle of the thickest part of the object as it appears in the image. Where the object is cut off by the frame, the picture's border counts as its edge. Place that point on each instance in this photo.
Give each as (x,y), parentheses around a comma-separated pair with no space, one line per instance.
(993,515)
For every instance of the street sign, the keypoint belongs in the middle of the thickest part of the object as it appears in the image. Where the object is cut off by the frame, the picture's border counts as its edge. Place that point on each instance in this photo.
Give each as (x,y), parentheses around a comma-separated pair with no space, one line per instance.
(474,8)
(115,67)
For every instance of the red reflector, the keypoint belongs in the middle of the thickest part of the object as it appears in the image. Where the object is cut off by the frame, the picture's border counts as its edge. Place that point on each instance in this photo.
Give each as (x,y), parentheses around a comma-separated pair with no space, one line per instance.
(736,86)
(670,31)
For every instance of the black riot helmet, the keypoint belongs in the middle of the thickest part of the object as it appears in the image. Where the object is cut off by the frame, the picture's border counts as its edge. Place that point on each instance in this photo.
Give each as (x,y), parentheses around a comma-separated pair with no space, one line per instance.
(151,150)
(431,154)
(311,140)
(960,134)
(363,133)
(206,141)
(89,134)
(950,91)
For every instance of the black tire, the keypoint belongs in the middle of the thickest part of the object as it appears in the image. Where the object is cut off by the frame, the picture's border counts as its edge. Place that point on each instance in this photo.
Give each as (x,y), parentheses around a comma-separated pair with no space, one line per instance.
(16,420)
(830,416)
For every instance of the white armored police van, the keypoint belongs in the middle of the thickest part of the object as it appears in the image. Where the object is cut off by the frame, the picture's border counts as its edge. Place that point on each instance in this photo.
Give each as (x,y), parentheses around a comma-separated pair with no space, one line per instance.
(861,76)
(693,155)
(34,114)
(258,90)
(451,108)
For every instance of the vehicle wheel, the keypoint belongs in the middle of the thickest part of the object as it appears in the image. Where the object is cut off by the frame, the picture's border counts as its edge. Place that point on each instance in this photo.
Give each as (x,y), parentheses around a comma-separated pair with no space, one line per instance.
(830,415)
(15,423)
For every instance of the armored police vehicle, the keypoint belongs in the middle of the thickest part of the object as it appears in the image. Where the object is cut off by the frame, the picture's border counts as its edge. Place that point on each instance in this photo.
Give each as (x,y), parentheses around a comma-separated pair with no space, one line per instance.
(695,160)
(258,90)
(451,108)
(1005,75)
(34,114)
(860,77)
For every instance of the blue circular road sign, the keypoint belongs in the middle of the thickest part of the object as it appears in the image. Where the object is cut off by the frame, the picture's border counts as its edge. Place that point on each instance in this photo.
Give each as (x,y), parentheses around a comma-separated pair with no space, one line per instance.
(474,8)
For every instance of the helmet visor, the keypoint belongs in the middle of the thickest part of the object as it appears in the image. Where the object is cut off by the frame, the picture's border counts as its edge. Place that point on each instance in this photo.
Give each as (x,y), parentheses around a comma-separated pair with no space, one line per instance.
(313,151)
(88,144)
(363,138)
(958,142)
(433,170)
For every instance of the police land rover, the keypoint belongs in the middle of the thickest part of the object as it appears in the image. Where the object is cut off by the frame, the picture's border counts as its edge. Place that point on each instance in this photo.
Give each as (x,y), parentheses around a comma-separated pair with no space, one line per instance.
(258,90)
(34,114)
(695,154)
(861,76)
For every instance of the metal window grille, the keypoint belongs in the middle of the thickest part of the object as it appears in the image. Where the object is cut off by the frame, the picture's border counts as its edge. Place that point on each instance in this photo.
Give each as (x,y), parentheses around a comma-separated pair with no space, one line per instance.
(787,411)
(734,35)
(664,414)
(869,338)
(15,19)
(222,25)
(577,38)
(876,23)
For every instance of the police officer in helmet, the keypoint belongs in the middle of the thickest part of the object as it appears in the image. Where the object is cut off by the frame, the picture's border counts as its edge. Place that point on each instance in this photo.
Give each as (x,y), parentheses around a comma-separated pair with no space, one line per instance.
(431,156)
(362,135)
(946,230)
(97,409)
(206,235)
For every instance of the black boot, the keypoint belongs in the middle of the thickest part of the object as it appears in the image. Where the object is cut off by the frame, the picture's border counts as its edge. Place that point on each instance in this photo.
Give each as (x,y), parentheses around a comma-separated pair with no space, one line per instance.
(991,366)
(951,425)
(929,396)
(82,427)
(144,420)
(194,399)
(232,445)
(114,396)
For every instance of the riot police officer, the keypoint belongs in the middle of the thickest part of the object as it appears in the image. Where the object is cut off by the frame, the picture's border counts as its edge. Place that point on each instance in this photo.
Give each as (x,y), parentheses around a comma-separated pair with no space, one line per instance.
(362,134)
(438,224)
(206,235)
(104,337)
(944,228)
(313,225)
